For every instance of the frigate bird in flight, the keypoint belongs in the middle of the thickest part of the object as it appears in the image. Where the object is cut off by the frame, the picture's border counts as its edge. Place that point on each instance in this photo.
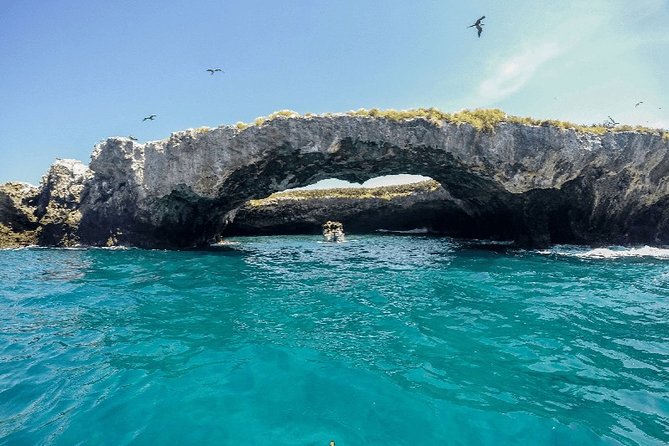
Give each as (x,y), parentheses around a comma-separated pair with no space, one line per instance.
(637,104)
(213,70)
(149,118)
(478,25)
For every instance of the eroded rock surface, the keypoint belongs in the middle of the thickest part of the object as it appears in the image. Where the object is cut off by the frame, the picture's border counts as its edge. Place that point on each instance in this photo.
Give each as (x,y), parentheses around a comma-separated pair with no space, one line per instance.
(18,224)
(47,215)
(536,184)
(57,206)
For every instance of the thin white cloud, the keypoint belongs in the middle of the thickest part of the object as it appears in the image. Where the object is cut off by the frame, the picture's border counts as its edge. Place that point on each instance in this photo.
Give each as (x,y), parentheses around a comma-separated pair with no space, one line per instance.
(598,57)
(512,74)
(521,61)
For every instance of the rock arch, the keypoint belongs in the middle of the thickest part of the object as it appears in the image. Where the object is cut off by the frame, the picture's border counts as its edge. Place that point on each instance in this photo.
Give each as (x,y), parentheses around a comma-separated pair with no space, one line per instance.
(535,184)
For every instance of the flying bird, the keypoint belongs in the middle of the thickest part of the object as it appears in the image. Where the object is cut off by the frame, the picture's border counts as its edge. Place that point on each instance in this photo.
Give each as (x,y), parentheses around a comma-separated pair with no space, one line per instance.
(132,138)
(637,104)
(149,118)
(478,25)
(613,122)
(213,70)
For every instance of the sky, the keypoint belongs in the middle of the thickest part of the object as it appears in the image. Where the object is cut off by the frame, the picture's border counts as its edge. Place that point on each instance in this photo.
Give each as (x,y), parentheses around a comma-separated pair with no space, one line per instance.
(74,72)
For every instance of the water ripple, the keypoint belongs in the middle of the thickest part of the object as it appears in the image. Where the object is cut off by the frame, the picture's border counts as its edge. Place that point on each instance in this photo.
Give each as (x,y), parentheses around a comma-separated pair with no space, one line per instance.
(384,339)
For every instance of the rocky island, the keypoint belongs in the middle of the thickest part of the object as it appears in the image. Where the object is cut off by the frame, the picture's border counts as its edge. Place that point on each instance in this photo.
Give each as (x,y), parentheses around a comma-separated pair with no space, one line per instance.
(497,176)
(422,205)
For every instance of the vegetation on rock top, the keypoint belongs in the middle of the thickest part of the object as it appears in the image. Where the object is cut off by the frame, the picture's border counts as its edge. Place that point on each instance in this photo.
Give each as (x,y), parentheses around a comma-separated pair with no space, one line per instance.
(383,193)
(480,119)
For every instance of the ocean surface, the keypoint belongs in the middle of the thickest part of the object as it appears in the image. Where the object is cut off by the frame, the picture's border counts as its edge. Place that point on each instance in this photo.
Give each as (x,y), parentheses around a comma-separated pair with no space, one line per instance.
(382,340)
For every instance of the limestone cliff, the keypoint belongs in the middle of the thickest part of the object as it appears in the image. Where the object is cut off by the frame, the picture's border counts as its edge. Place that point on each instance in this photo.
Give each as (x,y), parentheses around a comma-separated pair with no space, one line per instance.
(57,206)
(533,182)
(47,215)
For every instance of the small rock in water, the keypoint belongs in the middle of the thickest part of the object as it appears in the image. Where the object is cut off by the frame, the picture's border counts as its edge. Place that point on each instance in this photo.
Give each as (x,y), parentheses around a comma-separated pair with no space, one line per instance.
(333,231)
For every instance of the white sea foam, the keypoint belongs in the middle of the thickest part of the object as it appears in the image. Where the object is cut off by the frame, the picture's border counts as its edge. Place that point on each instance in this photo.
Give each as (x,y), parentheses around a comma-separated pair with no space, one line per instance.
(615,252)
(224,243)
(20,248)
(409,231)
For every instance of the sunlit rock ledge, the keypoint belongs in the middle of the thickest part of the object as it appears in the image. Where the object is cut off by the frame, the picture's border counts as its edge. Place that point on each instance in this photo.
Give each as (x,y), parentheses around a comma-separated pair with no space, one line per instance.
(534,182)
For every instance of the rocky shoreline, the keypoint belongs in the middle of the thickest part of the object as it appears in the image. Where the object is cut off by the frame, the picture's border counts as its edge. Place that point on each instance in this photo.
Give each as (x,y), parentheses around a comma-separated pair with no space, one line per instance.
(536,183)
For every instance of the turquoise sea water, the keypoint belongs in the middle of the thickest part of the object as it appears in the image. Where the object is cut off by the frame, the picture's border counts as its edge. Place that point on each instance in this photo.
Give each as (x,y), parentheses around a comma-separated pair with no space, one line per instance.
(383,340)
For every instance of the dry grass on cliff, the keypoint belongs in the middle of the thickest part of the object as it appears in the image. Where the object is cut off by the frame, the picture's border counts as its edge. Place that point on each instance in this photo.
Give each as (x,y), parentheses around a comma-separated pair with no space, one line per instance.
(481,119)
(488,119)
(595,128)
(383,193)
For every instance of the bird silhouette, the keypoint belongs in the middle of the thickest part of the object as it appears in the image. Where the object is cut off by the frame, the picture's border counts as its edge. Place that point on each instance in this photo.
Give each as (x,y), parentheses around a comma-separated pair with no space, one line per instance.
(637,104)
(478,25)
(613,122)
(213,70)
(149,118)
(132,138)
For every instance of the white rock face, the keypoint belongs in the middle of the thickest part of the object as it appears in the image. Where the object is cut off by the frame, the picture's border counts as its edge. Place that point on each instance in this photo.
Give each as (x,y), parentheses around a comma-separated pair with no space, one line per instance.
(59,199)
(64,183)
(538,184)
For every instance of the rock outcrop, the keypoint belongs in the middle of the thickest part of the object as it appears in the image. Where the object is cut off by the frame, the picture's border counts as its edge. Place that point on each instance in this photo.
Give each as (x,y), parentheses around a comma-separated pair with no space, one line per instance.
(18,223)
(59,200)
(536,183)
(48,215)
(392,208)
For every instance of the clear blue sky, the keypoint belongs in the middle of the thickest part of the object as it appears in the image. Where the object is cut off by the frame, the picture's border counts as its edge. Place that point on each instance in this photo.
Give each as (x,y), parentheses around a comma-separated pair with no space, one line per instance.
(74,72)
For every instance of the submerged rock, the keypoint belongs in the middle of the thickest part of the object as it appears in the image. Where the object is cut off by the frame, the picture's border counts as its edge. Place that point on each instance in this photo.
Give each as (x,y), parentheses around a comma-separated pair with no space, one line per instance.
(532,182)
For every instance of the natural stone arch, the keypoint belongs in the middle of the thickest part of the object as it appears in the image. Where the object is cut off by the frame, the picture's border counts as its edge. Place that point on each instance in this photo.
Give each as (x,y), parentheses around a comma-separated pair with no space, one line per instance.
(534,184)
